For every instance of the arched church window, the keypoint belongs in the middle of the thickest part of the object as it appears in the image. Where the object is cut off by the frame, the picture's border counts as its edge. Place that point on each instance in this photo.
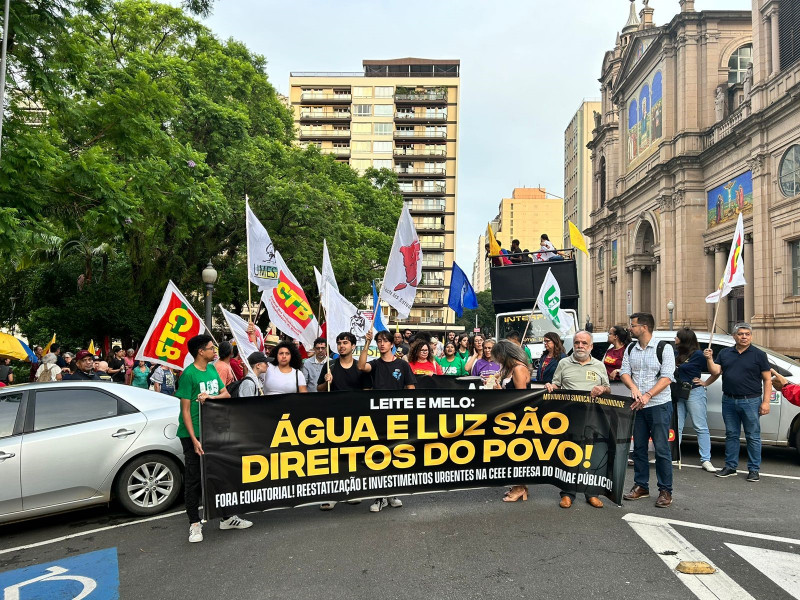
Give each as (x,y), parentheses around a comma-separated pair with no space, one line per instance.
(790,172)
(738,63)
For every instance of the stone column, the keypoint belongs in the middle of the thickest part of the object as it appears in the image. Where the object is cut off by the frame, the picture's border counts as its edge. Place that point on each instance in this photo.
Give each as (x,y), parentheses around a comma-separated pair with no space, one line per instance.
(612,303)
(720,256)
(776,51)
(637,289)
(655,301)
(749,289)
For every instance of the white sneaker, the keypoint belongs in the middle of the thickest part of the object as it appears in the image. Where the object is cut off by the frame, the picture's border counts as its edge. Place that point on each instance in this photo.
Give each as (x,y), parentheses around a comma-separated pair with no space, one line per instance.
(707,466)
(395,502)
(378,505)
(196,532)
(327,505)
(235,522)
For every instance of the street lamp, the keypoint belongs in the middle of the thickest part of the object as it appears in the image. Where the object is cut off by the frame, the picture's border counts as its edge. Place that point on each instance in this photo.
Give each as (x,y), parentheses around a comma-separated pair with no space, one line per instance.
(670,308)
(209,278)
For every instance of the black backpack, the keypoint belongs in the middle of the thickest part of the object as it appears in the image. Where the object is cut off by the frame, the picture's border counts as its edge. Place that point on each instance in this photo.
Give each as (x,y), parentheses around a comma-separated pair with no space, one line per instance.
(233,388)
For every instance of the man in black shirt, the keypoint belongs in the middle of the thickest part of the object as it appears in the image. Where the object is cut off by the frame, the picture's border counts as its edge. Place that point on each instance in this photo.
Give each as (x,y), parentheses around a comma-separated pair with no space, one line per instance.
(746,390)
(345,375)
(84,364)
(388,373)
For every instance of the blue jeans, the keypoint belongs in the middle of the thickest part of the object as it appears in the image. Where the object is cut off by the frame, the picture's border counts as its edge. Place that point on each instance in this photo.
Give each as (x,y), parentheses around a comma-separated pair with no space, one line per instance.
(695,405)
(738,413)
(653,422)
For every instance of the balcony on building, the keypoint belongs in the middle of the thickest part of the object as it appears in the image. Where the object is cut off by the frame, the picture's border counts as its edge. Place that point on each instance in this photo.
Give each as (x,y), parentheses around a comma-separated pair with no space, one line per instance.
(422,205)
(412,67)
(432,224)
(420,117)
(319,134)
(420,172)
(429,245)
(337,151)
(421,135)
(429,154)
(325,117)
(429,188)
(341,97)
(432,264)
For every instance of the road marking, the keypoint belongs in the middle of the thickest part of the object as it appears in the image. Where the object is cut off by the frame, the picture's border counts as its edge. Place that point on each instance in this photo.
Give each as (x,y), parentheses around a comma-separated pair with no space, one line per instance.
(783,568)
(664,540)
(648,520)
(90,532)
(745,472)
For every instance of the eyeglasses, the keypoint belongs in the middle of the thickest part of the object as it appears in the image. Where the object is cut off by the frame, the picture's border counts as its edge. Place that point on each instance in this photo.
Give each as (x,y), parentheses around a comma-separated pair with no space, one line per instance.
(207,348)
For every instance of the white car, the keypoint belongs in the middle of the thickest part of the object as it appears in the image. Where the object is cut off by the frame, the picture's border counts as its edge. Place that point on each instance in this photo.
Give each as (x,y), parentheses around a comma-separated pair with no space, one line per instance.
(781,427)
(68,445)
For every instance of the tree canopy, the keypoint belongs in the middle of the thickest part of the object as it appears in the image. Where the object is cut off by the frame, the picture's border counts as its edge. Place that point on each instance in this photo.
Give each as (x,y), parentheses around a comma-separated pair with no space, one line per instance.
(131,138)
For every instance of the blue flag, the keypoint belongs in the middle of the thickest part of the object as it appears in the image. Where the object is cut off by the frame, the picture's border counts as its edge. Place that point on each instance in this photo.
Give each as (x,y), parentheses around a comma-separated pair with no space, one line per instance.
(461,293)
(379,326)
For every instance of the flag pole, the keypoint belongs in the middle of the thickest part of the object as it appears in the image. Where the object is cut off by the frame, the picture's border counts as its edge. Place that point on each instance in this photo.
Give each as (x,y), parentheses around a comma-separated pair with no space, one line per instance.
(527,325)
(247,233)
(327,346)
(716,312)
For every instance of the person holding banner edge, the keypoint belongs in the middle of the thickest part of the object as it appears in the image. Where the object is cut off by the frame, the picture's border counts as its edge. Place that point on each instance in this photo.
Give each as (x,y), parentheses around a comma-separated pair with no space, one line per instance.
(198,382)
(388,373)
(581,371)
(643,369)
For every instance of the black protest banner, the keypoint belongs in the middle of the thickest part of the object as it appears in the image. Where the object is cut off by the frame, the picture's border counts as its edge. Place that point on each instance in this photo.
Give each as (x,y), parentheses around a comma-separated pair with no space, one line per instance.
(294,449)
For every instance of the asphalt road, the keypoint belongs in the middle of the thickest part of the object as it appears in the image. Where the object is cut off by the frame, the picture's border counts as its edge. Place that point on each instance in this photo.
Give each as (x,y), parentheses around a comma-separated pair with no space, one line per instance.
(466,544)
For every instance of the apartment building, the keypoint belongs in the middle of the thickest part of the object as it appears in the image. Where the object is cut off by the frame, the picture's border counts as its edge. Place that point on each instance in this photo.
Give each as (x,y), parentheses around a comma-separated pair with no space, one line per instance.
(399,114)
(578,189)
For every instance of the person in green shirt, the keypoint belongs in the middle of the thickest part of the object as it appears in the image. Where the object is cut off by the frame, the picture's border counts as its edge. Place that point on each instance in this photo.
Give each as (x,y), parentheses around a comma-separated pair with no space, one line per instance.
(199,381)
(140,375)
(451,363)
(462,349)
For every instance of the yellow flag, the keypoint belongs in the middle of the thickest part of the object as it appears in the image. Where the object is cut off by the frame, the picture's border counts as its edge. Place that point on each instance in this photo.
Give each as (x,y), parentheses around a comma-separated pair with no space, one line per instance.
(576,238)
(494,247)
(91,347)
(47,348)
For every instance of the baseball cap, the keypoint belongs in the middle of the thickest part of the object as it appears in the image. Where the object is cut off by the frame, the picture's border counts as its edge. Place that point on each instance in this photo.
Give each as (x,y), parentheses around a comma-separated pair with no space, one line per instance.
(83,354)
(259,357)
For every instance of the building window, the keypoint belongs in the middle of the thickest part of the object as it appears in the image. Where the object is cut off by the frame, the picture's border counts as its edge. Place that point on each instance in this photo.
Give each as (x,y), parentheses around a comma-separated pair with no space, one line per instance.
(790,172)
(384,110)
(382,146)
(362,110)
(601,255)
(602,181)
(362,92)
(383,129)
(738,63)
(384,91)
(360,146)
(382,163)
(789,33)
(362,128)
(360,164)
(794,248)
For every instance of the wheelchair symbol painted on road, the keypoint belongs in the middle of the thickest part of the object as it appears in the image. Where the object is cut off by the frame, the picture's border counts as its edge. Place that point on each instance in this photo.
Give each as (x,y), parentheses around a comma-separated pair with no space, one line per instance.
(93,576)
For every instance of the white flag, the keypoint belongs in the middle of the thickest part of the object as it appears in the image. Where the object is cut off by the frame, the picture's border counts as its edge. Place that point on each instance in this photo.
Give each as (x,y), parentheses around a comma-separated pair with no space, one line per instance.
(549,302)
(327,268)
(404,271)
(238,327)
(288,307)
(734,268)
(262,266)
(320,284)
(341,315)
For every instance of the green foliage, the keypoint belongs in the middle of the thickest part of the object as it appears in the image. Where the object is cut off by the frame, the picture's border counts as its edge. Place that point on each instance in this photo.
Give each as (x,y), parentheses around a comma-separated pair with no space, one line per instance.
(127,157)
(485,311)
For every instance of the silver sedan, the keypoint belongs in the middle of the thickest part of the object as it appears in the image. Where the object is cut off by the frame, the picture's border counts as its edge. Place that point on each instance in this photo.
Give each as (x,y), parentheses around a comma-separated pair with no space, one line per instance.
(68,445)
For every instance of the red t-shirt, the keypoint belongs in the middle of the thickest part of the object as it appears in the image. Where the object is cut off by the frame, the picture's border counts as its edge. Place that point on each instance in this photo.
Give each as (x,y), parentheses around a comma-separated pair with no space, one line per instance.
(613,359)
(792,393)
(237,366)
(425,368)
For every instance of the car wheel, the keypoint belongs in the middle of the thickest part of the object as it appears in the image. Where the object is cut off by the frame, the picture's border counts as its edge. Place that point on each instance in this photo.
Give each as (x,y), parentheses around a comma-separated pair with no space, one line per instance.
(149,484)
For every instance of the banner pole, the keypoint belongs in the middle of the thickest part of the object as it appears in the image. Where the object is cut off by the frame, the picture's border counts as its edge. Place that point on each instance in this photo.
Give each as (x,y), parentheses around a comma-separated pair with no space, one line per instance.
(714,322)
(528,324)
(247,234)
(327,346)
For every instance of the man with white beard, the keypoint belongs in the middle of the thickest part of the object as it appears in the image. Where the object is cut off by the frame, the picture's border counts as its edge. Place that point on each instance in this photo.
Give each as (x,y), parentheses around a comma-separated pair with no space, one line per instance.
(581,371)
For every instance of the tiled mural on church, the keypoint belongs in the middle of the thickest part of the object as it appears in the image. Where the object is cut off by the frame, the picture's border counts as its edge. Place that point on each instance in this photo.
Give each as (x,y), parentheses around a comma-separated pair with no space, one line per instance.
(645,122)
(726,201)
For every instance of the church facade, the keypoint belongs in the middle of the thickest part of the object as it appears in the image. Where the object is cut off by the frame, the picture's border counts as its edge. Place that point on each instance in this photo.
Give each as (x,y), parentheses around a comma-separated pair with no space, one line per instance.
(699,122)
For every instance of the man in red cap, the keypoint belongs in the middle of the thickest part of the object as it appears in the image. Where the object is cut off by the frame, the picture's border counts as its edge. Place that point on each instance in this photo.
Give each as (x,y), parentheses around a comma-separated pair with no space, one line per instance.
(84,371)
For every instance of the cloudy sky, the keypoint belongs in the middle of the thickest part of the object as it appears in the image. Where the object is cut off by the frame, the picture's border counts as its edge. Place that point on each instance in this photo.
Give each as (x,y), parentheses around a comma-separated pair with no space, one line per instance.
(526,66)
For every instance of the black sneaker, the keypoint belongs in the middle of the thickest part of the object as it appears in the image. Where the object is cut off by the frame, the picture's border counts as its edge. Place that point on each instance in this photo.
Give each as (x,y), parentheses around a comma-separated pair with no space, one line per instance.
(752,476)
(725,472)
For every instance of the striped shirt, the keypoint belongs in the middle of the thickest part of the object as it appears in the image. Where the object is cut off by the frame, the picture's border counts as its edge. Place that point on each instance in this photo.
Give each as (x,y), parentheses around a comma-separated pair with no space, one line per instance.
(642,365)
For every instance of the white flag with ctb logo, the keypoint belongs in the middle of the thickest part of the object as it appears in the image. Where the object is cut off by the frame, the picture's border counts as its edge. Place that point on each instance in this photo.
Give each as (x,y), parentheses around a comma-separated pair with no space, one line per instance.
(549,302)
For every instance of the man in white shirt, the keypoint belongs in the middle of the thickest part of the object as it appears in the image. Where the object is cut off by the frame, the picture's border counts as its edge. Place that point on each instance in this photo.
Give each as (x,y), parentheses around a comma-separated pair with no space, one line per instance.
(312,366)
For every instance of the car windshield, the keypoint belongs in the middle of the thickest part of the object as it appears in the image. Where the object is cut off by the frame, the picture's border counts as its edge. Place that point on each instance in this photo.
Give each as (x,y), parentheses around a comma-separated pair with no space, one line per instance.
(778,355)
